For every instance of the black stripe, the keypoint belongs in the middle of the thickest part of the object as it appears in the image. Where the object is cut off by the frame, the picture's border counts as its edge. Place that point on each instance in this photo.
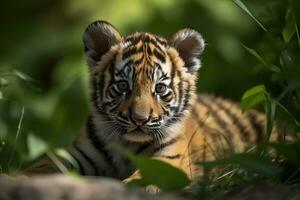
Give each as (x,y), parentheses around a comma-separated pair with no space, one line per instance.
(95,93)
(99,144)
(153,41)
(89,160)
(166,144)
(256,125)
(159,55)
(139,61)
(121,72)
(81,170)
(213,133)
(133,40)
(166,97)
(149,51)
(130,52)
(220,122)
(100,87)
(116,91)
(174,119)
(112,72)
(186,97)
(157,47)
(172,75)
(180,91)
(161,41)
(235,120)
(143,147)
(176,156)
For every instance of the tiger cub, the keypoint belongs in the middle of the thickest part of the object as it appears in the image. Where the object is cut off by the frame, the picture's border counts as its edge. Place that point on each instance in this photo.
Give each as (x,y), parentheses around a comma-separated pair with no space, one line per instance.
(143,95)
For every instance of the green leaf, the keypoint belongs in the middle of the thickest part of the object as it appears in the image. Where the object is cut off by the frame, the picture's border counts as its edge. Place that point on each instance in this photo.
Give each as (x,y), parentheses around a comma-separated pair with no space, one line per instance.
(156,172)
(290,26)
(244,8)
(22,76)
(256,55)
(253,97)
(36,146)
(287,112)
(297,33)
(270,114)
(249,162)
(289,151)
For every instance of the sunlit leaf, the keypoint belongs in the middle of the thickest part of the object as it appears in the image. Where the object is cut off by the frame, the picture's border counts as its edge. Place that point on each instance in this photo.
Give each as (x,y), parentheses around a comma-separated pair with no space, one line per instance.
(287,112)
(244,8)
(253,97)
(22,76)
(156,172)
(249,162)
(57,162)
(67,156)
(27,79)
(36,146)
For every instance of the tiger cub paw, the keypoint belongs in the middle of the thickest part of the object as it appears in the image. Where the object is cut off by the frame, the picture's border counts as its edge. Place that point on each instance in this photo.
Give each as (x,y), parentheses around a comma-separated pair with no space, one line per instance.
(152,189)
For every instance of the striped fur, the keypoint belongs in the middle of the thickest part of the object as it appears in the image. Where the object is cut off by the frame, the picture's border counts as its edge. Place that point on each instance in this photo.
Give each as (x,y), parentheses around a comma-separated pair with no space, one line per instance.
(143,95)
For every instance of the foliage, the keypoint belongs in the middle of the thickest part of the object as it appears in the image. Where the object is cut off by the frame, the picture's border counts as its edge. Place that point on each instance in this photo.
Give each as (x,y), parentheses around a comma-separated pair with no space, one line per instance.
(156,172)
(44,86)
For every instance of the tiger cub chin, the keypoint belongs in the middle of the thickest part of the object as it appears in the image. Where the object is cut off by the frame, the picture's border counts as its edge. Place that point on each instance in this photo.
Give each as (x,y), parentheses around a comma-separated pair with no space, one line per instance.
(143,95)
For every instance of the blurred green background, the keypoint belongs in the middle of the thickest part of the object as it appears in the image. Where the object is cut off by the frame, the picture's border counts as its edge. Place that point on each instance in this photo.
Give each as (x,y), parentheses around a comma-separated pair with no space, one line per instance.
(43,75)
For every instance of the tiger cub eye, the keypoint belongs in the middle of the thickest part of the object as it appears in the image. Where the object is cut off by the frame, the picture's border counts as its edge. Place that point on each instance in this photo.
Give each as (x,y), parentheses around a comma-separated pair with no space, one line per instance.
(160,88)
(123,86)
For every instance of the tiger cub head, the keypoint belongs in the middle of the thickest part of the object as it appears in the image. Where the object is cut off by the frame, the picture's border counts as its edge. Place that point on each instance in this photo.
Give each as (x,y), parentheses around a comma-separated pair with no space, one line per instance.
(142,85)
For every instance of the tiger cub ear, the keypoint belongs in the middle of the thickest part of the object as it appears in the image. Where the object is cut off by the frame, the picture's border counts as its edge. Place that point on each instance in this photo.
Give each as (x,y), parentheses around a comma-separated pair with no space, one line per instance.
(98,37)
(190,45)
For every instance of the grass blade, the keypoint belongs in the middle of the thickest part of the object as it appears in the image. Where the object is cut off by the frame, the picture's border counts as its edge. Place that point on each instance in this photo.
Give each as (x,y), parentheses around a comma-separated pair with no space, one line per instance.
(270,114)
(290,27)
(244,8)
(256,55)
(17,136)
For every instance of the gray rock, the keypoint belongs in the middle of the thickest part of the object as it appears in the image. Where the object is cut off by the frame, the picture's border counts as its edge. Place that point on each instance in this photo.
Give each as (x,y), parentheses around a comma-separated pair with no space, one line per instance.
(59,187)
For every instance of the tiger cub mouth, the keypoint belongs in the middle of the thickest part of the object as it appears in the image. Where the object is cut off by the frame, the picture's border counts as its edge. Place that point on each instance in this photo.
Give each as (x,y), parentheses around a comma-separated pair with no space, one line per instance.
(137,135)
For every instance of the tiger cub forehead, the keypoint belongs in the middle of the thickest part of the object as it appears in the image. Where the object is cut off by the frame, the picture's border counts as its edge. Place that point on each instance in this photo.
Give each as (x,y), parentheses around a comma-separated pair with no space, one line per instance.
(105,48)
(145,52)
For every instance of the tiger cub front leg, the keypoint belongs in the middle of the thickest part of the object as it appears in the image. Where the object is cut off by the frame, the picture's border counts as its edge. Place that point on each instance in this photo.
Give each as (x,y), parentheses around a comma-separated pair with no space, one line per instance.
(135,176)
(177,162)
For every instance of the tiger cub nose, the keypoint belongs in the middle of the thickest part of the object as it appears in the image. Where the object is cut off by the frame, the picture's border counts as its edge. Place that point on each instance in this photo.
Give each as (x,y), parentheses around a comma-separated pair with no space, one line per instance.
(140,118)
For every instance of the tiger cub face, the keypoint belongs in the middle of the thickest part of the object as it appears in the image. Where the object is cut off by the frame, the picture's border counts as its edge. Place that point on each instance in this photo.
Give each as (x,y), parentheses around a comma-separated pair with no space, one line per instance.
(142,85)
